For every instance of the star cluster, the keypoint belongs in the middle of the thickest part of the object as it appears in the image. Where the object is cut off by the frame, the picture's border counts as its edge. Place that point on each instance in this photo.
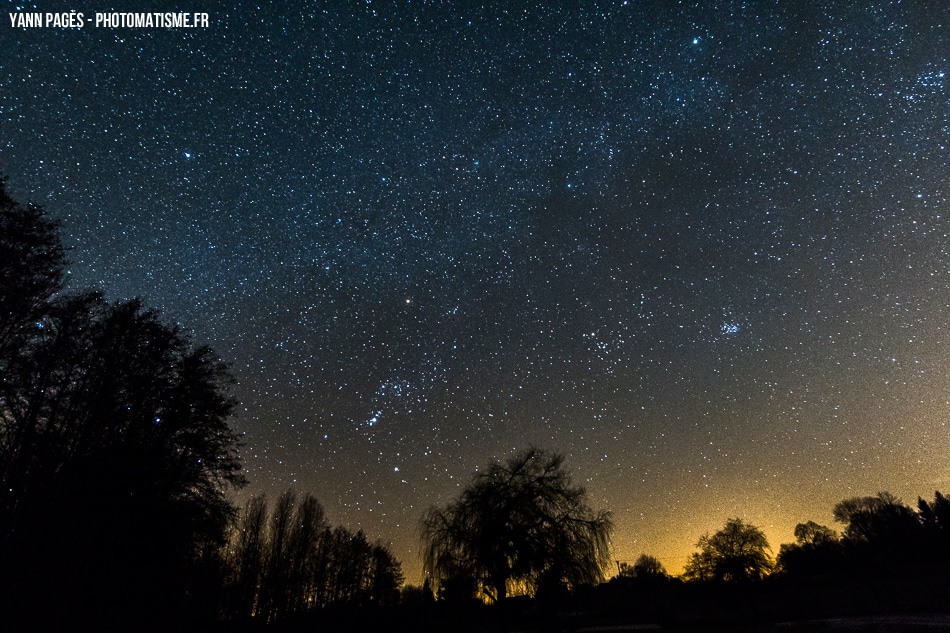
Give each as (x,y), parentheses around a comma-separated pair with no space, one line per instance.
(700,248)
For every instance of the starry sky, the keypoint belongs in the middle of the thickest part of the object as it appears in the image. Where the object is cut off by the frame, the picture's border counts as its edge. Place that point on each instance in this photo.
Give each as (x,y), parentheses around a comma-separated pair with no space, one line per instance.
(699,248)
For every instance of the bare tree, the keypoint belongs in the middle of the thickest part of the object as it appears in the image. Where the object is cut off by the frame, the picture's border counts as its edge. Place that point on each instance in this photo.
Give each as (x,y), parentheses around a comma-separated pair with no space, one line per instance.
(246,556)
(306,539)
(288,560)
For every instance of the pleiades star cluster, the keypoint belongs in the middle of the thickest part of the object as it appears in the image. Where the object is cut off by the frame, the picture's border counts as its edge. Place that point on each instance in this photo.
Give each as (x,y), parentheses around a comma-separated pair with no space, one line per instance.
(699,248)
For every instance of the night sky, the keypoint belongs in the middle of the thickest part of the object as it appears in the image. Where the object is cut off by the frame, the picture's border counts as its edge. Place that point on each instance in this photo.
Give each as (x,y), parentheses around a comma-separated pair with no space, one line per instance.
(699,248)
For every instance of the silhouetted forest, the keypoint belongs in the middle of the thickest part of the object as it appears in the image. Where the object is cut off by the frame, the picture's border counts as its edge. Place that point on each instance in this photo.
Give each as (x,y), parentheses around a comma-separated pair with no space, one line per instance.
(117,461)
(283,561)
(115,450)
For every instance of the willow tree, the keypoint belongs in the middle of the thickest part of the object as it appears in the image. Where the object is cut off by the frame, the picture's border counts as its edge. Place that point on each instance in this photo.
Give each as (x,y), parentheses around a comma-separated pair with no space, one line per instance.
(518,524)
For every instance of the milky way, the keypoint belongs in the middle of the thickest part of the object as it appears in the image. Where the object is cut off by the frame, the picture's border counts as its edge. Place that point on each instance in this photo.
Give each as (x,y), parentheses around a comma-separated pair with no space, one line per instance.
(699,248)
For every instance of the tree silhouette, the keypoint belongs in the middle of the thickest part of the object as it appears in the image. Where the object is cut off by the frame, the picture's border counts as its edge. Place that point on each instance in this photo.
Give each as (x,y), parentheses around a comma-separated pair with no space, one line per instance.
(385,577)
(936,515)
(816,550)
(304,553)
(812,533)
(286,560)
(879,530)
(415,597)
(246,557)
(31,270)
(359,573)
(734,553)
(647,566)
(517,524)
(935,520)
(349,568)
(115,451)
(115,447)
(275,590)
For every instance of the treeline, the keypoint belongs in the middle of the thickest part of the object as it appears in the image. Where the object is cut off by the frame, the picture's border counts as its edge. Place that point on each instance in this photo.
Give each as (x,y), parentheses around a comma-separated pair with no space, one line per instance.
(880,534)
(523,529)
(286,560)
(117,461)
(888,558)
